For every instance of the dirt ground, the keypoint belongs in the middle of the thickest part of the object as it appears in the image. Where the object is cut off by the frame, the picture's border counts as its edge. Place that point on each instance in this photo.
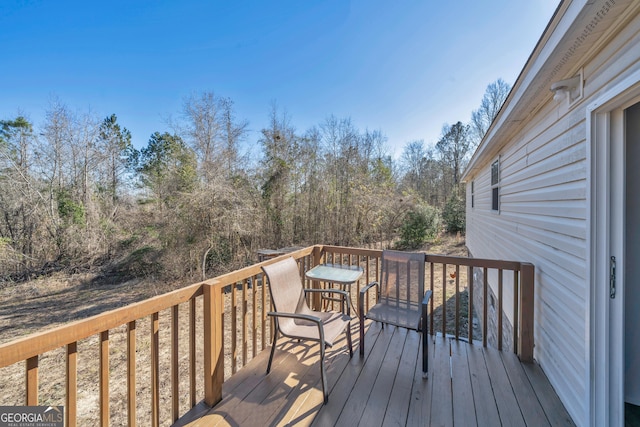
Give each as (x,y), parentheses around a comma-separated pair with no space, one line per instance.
(48,302)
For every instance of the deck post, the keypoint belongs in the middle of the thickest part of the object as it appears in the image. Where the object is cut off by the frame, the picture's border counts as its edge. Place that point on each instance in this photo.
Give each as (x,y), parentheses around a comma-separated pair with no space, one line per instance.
(32,381)
(213,357)
(317,260)
(525,335)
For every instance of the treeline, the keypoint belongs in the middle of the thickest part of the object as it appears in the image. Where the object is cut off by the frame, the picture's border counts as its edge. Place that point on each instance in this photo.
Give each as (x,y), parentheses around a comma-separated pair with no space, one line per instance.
(76,194)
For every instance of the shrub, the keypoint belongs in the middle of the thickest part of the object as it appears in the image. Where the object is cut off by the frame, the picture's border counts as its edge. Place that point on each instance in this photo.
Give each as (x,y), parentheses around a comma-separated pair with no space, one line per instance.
(420,225)
(69,210)
(142,262)
(453,214)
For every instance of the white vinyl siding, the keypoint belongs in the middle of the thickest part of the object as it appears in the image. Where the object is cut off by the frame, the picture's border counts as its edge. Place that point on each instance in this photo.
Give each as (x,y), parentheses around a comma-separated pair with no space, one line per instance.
(543,219)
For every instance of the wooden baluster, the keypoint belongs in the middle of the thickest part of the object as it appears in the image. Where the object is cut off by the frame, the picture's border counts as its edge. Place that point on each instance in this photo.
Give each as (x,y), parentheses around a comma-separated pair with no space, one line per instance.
(457,301)
(245,323)
(131,373)
(72,385)
(155,370)
(431,286)
(367,277)
(470,305)
(32,381)
(175,385)
(378,268)
(444,300)
(358,284)
(397,285)
(485,310)
(104,378)
(516,301)
(192,352)
(500,309)
(264,311)
(234,329)
(254,316)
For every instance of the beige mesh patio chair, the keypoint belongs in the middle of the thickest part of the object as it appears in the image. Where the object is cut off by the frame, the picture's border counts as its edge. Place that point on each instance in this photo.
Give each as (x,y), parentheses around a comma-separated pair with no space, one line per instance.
(400,298)
(294,319)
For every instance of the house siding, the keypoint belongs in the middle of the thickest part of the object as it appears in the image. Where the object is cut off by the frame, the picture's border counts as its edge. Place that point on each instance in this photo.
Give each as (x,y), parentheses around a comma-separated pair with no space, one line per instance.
(543,219)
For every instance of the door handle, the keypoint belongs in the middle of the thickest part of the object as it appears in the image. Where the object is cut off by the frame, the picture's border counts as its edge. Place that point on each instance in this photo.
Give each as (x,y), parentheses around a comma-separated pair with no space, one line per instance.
(612,277)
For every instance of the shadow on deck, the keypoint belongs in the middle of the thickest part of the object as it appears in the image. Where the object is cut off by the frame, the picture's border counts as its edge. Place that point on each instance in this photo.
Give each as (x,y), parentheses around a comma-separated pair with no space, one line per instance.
(467,385)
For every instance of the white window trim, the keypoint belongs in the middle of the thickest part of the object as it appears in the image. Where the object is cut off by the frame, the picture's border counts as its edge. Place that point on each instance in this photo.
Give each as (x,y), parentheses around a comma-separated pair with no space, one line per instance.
(496,185)
(606,400)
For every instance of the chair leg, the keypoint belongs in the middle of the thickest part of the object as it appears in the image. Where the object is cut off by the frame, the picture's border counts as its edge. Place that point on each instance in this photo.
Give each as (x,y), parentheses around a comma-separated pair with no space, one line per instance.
(349,340)
(273,349)
(361,335)
(425,348)
(323,374)
(425,355)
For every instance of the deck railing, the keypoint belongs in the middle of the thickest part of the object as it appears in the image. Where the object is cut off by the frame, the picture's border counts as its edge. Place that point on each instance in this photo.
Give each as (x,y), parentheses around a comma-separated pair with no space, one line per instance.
(228,326)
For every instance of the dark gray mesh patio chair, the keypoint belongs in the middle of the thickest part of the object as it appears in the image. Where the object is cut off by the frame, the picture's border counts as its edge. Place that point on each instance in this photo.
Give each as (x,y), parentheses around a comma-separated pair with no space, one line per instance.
(294,318)
(401,298)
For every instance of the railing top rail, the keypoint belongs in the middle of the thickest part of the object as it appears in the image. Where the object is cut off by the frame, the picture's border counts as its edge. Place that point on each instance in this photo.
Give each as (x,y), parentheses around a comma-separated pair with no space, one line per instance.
(475,262)
(41,342)
(351,250)
(252,270)
(434,258)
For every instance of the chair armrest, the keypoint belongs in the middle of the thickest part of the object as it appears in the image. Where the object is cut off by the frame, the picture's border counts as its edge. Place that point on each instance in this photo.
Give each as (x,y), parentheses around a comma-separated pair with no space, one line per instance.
(363,292)
(427,297)
(295,316)
(369,286)
(425,304)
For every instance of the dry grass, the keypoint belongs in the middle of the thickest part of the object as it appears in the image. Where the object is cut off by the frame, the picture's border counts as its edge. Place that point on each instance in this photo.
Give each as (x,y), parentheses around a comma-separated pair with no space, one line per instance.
(46,303)
(53,365)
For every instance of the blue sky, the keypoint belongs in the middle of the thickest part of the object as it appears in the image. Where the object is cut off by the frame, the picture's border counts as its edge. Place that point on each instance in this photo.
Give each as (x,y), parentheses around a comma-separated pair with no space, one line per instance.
(405,67)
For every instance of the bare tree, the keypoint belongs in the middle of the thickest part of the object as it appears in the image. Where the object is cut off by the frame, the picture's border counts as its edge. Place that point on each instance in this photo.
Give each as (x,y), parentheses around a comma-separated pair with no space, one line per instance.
(492,101)
(19,196)
(203,130)
(53,150)
(233,133)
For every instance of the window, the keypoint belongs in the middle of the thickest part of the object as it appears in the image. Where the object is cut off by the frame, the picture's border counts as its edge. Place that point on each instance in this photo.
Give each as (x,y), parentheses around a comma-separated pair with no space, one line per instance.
(495,185)
(472,194)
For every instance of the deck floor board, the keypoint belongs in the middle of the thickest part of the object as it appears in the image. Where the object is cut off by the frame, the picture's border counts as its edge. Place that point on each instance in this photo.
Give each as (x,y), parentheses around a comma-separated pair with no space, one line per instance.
(510,413)
(440,374)
(359,396)
(464,412)
(378,400)
(398,407)
(531,408)
(467,385)
(483,397)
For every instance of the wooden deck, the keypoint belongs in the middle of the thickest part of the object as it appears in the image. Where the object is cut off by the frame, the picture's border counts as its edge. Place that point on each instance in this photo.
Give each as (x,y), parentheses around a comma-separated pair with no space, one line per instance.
(467,385)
